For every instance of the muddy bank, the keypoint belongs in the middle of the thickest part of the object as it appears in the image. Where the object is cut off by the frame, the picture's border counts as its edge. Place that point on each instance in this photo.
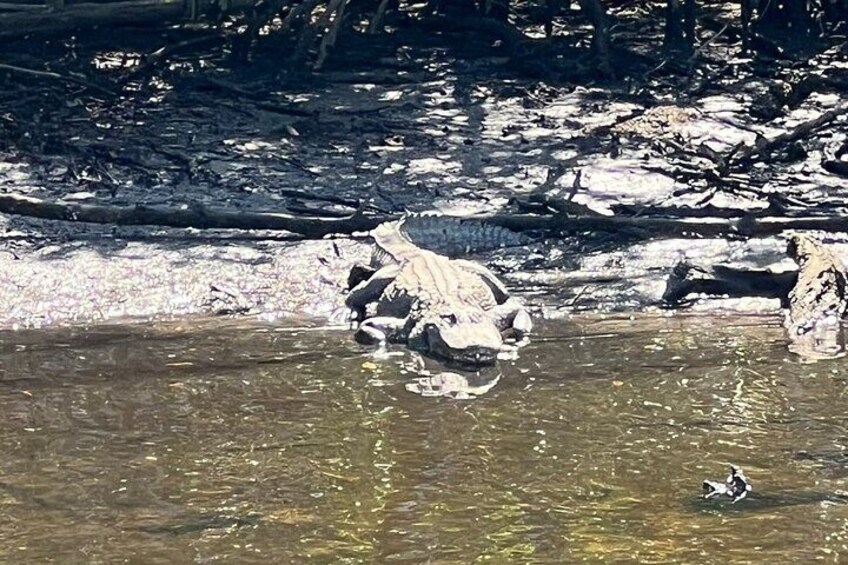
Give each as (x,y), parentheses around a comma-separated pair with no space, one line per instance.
(91,282)
(141,274)
(418,128)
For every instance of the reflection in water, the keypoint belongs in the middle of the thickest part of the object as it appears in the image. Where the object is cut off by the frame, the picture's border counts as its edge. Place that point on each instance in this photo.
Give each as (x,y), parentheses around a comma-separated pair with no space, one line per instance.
(248,444)
(824,340)
(454,385)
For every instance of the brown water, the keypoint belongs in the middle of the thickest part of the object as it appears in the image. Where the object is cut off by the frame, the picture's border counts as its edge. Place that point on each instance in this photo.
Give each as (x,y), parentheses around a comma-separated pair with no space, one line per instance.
(237,444)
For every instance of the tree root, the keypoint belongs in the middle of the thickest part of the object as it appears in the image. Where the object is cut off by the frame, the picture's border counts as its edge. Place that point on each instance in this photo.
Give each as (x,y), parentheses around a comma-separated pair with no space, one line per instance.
(338,8)
(377,21)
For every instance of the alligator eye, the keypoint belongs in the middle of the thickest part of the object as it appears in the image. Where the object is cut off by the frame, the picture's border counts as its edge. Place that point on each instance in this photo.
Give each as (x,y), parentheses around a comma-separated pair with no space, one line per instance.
(450,318)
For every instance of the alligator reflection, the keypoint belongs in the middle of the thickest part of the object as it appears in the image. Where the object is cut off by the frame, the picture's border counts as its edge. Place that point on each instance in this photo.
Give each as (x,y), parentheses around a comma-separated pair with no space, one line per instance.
(453,385)
(432,381)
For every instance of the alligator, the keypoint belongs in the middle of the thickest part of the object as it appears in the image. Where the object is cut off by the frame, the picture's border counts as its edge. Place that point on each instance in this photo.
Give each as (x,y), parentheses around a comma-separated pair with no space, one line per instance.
(814,295)
(452,309)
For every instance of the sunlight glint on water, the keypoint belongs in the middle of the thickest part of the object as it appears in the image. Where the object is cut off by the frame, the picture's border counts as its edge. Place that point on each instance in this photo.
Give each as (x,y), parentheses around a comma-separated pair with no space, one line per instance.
(198,443)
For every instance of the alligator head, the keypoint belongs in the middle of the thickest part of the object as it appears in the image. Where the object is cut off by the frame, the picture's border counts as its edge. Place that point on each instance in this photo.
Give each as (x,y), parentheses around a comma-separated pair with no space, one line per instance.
(458,333)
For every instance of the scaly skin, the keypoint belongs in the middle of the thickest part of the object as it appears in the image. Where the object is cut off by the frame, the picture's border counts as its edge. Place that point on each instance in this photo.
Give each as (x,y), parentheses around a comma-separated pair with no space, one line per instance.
(451,309)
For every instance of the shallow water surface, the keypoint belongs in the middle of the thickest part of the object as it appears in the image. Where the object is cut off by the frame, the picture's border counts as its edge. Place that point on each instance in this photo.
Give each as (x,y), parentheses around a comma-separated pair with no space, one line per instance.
(210,442)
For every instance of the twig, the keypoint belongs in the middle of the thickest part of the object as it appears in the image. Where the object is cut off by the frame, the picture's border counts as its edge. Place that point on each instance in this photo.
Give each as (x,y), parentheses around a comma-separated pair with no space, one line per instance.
(763,148)
(164,53)
(706,44)
(57,76)
(575,185)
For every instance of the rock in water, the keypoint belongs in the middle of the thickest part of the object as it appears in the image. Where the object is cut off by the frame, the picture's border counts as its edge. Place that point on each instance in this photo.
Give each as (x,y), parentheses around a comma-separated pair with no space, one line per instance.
(736,486)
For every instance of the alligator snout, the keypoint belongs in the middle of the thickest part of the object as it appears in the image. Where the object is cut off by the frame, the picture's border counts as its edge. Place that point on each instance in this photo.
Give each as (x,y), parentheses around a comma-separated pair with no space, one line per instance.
(477,345)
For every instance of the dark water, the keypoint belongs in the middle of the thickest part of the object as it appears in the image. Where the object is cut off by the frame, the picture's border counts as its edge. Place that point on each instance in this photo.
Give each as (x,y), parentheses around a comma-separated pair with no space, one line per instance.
(209,443)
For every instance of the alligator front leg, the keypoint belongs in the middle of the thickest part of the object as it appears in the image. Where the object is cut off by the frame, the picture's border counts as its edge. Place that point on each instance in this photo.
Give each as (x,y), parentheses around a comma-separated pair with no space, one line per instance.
(369,289)
(512,319)
(380,329)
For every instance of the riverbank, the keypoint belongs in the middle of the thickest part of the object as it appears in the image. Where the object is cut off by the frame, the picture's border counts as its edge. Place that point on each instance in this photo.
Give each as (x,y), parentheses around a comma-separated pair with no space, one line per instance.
(425,128)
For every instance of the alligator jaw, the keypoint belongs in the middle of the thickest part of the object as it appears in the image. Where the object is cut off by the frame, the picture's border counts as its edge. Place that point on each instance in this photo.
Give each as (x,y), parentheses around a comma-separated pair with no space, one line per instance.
(469,355)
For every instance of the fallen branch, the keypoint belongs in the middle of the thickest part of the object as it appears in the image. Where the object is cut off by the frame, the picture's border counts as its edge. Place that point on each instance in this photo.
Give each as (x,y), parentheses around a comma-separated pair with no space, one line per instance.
(313,226)
(189,217)
(667,227)
(161,55)
(212,83)
(90,14)
(764,148)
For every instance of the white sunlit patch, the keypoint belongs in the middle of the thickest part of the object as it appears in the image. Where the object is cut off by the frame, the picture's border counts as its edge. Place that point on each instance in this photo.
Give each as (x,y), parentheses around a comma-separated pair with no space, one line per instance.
(160,84)
(391,95)
(393,168)
(117,60)
(431,165)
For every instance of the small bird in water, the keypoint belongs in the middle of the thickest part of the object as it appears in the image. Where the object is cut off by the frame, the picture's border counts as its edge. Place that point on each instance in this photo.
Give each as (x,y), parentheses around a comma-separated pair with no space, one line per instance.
(736,486)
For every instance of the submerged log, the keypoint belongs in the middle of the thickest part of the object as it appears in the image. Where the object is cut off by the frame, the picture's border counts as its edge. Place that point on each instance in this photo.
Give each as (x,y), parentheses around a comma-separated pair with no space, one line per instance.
(720,280)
